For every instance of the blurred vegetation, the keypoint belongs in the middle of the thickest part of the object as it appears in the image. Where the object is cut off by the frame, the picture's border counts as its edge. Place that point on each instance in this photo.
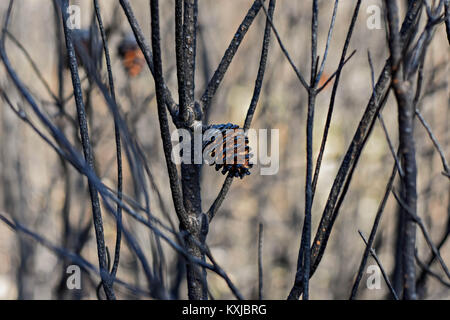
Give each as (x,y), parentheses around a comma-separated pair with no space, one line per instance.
(34,187)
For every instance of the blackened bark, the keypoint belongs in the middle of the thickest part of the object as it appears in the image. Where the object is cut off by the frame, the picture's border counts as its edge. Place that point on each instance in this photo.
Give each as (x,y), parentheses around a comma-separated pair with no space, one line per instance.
(403,93)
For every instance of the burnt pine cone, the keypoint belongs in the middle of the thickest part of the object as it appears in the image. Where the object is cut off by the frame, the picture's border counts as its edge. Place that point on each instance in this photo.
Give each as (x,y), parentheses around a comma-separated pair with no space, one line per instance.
(236,162)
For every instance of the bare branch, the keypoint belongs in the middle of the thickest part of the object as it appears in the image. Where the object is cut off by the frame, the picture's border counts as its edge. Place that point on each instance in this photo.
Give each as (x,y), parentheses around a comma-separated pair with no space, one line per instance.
(374,255)
(228,56)
(373,233)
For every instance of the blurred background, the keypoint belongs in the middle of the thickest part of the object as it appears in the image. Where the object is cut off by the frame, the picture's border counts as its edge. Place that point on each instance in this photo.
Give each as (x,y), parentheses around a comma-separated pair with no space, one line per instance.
(39,190)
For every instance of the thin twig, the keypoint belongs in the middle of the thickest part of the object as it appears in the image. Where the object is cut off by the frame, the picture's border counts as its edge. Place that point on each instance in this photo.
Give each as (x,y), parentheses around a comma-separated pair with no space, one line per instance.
(77,259)
(251,110)
(145,48)
(87,149)
(228,56)
(427,270)
(162,115)
(353,153)
(426,234)
(386,278)
(422,278)
(260,262)
(380,118)
(330,32)
(71,155)
(7,19)
(33,65)
(118,143)
(333,96)
(261,70)
(434,140)
(304,257)
(391,147)
(283,49)
(373,232)
(447,19)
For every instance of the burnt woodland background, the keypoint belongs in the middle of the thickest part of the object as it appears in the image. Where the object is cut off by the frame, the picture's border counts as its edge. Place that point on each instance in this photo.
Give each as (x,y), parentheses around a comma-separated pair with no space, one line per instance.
(45,203)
